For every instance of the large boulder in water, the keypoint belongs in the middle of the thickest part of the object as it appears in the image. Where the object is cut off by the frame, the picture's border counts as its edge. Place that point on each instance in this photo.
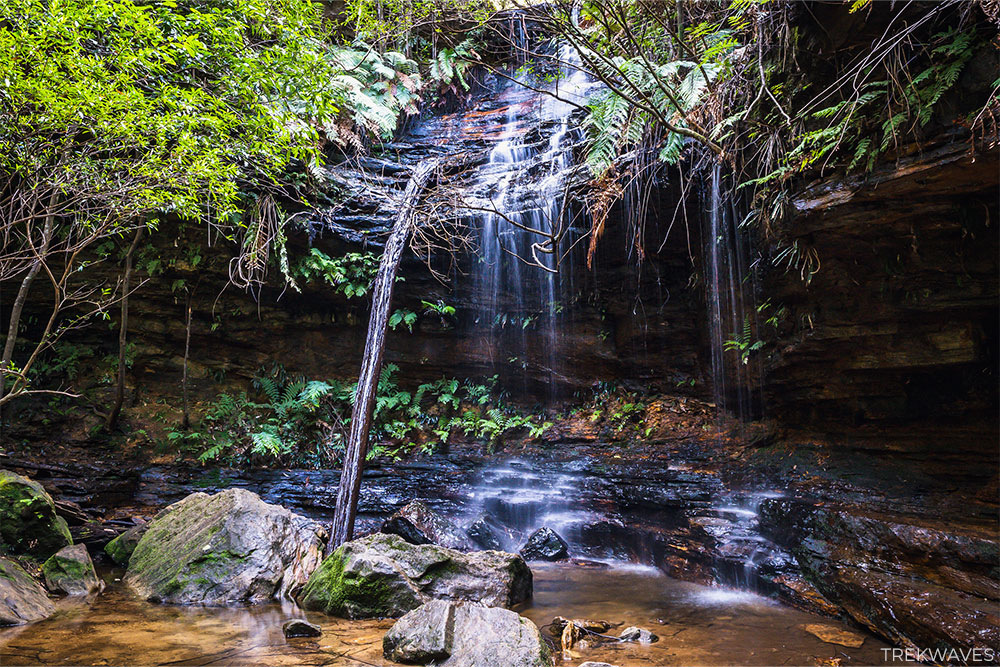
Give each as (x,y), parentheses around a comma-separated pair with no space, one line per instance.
(29,524)
(384,576)
(419,524)
(225,548)
(545,544)
(22,600)
(71,571)
(461,634)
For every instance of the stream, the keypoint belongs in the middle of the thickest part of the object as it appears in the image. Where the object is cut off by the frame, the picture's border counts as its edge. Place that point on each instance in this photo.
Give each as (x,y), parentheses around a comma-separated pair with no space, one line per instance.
(697,625)
(623,523)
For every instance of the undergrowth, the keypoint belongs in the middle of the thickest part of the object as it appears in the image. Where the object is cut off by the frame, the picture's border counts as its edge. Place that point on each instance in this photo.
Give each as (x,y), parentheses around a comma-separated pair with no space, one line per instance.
(290,420)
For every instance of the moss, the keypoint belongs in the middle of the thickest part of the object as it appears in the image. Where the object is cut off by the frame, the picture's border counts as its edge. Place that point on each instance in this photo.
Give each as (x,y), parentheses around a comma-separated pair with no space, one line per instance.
(28,520)
(336,591)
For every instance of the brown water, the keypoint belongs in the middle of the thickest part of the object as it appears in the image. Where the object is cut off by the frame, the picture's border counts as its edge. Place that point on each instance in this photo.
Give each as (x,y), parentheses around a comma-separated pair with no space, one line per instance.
(697,626)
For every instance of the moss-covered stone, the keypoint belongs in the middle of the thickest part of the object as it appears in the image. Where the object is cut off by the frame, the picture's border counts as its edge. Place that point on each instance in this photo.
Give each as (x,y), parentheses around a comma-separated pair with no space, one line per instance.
(29,524)
(220,549)
(384,576)
(71,571)
(120,549)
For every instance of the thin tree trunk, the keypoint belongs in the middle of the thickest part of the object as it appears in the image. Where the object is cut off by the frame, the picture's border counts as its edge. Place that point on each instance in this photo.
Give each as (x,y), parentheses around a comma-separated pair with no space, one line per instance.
(364,398)
(122,333)
(22,293)
(184,379)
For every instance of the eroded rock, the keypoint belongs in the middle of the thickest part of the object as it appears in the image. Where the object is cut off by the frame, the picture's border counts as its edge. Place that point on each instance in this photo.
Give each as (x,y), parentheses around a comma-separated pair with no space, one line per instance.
(71,571)
(545,544)
(225,548)
(384,576)
(29,523)
(22,599)
(419,524)
(463,634)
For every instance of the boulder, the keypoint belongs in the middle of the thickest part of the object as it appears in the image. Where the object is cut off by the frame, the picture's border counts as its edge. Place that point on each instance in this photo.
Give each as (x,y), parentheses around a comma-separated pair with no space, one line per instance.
(71,571)
(224,548)
(384,576)
(29,523)
(636,634)
(453,634)
(120,549)
(485,535)
(419,524)
(22,600)
(298,627)
(545,544)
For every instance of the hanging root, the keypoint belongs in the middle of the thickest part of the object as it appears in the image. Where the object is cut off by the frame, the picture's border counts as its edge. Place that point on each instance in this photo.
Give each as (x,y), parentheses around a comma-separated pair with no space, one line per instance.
(604,192)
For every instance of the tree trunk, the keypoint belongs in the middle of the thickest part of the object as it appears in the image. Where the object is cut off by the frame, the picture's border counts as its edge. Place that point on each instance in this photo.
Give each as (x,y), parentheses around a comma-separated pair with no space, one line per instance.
(122,332)
(22,292)
(184,379)
(364,398)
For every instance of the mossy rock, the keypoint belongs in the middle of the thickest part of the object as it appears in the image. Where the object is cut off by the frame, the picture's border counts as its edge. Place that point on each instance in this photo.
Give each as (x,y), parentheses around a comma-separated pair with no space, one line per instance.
(22,599)
(29,524)
(120,549)
(71,571)
(383,576)
(221,549)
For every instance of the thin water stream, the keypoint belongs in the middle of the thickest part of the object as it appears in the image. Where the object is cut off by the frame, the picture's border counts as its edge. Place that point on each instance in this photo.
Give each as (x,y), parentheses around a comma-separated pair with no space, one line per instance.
(697,625)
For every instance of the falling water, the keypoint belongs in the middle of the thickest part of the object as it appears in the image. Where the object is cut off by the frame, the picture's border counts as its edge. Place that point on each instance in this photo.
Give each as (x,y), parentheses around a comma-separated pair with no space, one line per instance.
(736,371)
(524,221)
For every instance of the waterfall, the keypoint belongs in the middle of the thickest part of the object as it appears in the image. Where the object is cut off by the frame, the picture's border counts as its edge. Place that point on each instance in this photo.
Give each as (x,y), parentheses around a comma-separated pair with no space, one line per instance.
(524,222)
(736,376)
(730,299)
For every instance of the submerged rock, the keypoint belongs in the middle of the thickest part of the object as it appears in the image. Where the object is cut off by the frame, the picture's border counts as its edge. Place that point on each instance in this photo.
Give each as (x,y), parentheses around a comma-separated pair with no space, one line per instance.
(419,524)
(637,634)
(225,548)
(462,634)
(545,544)
(384,576)
(29,523)
(71,571)
(298,627)
(22,599)
(831,634)
(120,549)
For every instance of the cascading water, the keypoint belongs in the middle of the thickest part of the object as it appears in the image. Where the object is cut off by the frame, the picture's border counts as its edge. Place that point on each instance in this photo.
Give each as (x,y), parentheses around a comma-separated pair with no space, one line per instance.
(736,372)
(524,223)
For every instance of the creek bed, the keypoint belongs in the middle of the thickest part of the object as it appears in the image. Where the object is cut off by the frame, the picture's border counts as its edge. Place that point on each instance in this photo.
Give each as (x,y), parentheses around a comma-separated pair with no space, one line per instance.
(697,625)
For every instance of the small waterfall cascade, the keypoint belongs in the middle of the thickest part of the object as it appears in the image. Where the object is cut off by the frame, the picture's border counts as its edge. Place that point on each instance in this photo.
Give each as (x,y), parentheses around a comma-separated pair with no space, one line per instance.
(520,497)
(730,290)
(730,297)
(524,221)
